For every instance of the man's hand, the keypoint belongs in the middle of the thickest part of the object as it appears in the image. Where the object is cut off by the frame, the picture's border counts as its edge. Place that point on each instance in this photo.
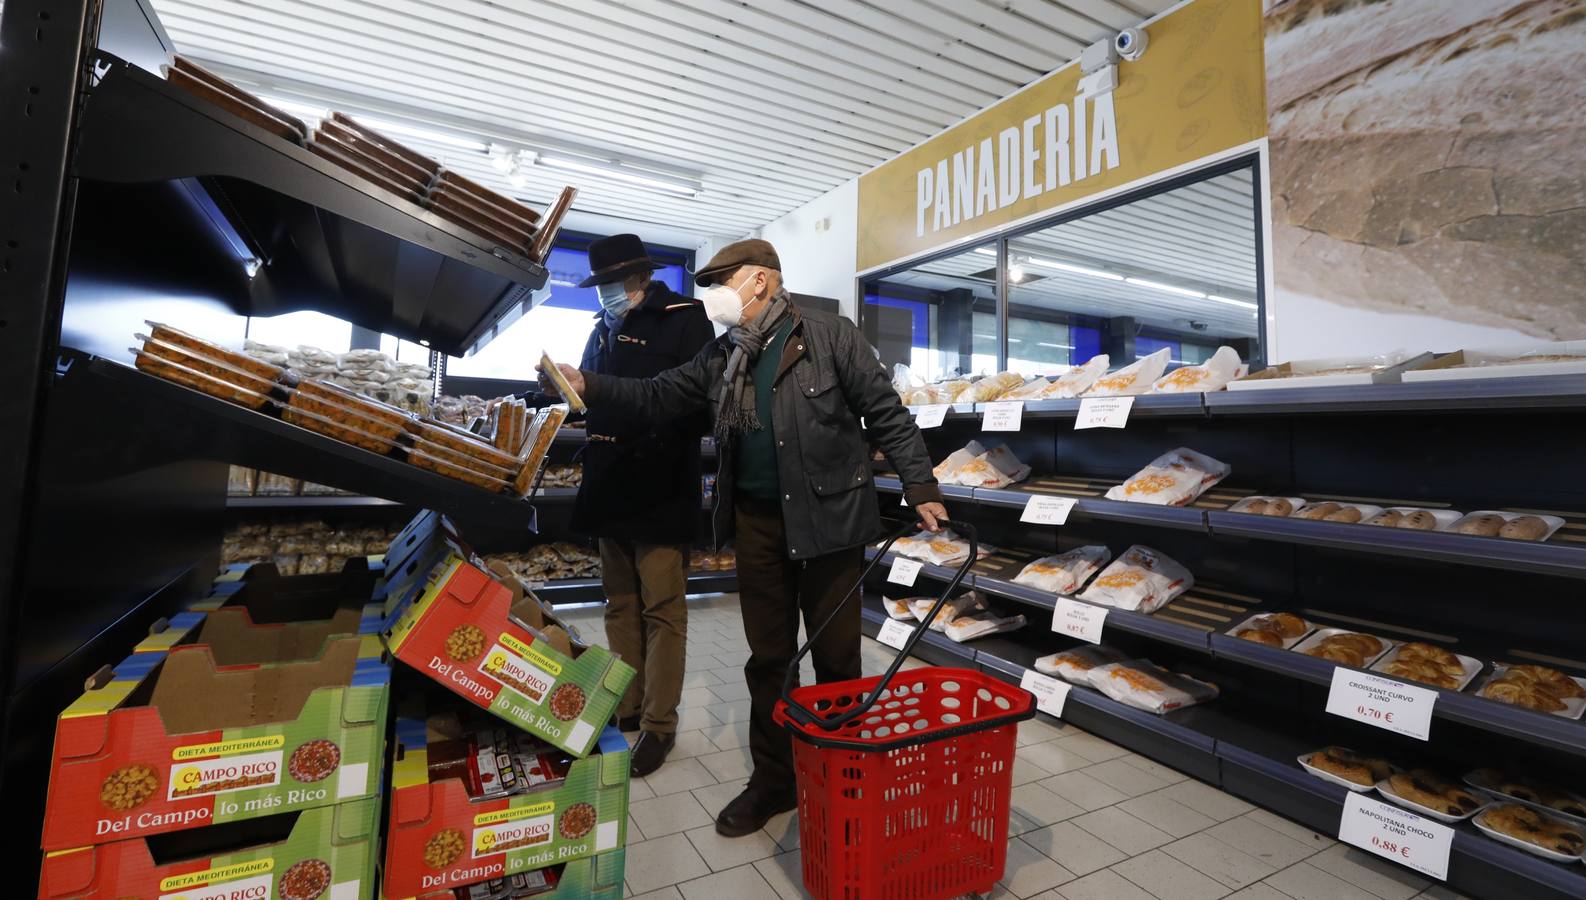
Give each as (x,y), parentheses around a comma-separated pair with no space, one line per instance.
(934,515)
(575,380)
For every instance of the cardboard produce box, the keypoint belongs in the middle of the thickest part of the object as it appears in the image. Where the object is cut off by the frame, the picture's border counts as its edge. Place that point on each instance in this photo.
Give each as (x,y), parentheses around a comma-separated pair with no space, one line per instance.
(474,799)
(327,853)
(591,878)
(494,645)
(205,733)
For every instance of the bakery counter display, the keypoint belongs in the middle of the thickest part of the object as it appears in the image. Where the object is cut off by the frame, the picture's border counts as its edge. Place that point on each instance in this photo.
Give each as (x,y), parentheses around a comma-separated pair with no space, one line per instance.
(1147,376)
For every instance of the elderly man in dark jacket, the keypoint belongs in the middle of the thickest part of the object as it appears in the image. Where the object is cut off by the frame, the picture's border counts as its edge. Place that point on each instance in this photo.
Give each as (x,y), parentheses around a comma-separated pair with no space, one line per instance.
(640,492)
(786,389)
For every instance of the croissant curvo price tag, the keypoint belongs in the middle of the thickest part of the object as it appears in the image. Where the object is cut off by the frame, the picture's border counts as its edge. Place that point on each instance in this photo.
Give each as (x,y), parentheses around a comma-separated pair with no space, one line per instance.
(1103,412)
(1383,702)
(894,634)
(1050,694)
(904,571)
(1005,415)
(1397,834)
(1079,620)
(931,416)
(1047,510)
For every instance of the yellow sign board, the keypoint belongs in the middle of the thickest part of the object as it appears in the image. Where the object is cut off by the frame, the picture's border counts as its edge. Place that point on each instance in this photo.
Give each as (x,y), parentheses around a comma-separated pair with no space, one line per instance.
(1199,89)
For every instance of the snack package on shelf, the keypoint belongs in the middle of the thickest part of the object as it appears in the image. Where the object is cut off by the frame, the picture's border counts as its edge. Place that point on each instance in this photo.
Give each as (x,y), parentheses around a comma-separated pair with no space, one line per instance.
(539,433)
(1142,579)
(270,484)
(1175,478)
(1077,380)
(348,417)
(206,366)
(1415,518)
(325,852)
(1030,390)
(492,642)
(1135,378)
(1331,511)
(469,796)
(994,468)
(1541,688)
(1064,573)
(1212,375)
(269,353)
(240,482)
(990,388)
(962,605)
(898,608)
(1514,526)
(944,548)
(1268,506)
(981,624)
(1145,685)
(1074,666)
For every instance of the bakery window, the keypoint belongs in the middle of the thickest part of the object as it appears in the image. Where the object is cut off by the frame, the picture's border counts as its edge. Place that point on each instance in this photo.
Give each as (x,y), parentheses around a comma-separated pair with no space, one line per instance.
(939,318)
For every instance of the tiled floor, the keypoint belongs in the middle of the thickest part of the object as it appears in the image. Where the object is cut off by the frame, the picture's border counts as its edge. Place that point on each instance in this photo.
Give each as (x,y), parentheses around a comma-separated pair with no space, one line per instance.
(1091,820)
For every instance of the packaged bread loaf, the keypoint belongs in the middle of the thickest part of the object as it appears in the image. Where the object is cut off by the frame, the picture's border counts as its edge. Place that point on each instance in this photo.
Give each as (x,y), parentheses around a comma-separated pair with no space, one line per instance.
(994,468)
(1173,479)
(981,624)
(1145,685)
(1211,375)
(1064,573)
(537,443)
(1142,579)
(1075,665)
(898,608)
(991,388)
(962,605)
(1135,378)
(1077,380)
(341,414)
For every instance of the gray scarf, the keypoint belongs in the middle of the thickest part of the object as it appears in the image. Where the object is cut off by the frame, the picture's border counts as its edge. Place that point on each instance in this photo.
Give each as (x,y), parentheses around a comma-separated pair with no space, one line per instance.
(736,413)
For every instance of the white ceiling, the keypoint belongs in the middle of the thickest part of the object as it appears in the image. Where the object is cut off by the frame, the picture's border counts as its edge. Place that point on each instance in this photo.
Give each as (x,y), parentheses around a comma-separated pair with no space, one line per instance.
(1200,237)
(768,103)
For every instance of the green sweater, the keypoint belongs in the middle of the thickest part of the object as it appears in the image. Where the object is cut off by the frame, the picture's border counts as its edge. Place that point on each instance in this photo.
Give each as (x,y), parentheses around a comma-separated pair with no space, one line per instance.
(756,473)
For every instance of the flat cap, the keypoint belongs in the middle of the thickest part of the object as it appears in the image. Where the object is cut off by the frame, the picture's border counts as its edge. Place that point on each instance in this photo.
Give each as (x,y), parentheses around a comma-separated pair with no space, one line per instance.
(752,252)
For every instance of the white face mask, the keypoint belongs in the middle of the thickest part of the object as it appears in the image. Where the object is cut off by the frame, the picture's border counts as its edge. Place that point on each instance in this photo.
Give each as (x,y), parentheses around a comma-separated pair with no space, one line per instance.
(724,305)
(613,298)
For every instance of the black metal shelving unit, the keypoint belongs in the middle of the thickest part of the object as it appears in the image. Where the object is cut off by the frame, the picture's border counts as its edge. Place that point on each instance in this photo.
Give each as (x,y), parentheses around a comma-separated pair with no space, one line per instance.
(1469,445)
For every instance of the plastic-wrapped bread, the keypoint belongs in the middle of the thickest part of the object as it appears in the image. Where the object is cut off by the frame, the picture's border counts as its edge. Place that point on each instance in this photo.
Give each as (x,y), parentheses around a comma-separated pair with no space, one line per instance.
(1145,685)
(980,624)
(897,608)
(208,358)
(537,443)
(1211,375)
(1033,389)
(945,470)
(1142,579)
(1077,380)
(1075,665)
(962,605)
(990,388)
(1135,378)
(1173,479)
(994,468)
(339,413)
(1065,572)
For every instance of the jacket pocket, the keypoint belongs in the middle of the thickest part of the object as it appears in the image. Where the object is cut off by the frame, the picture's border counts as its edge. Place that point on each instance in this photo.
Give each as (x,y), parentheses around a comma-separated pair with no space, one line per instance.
(828,482)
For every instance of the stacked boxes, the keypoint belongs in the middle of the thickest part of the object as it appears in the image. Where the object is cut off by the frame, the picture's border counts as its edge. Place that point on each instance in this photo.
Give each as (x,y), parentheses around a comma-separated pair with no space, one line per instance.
(237,729)
(532,802)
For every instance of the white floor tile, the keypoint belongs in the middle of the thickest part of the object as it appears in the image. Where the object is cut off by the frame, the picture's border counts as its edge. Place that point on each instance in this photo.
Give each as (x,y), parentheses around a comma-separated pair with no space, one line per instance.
(1103,885)
(1225,864)
(742,883)
(722,853)
(1041,805)
(660,862)
(1052,758)
(1082,790)
(1303,881)
(1166,813)
(1363,870)
(666,893)
(785,874)
(1122,830)
(1168,879)
(728,765)
(669,815)
(1207,800)
(1076,849)
(728,736)
(1259,839)
(678,775)
(1029,871)
(784,829)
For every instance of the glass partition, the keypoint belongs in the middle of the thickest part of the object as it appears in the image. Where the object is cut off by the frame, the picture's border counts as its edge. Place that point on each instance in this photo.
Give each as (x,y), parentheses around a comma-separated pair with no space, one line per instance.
(938,318)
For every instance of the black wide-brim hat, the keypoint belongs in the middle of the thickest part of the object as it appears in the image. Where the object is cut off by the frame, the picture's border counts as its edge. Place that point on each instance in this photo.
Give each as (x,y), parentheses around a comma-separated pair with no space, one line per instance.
(613,259)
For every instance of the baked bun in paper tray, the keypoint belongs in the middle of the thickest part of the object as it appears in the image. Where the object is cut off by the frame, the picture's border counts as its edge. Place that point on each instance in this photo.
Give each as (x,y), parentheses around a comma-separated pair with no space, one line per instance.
(1211,375)
(975,466)
(1135,378)
(1142,580)
(944,548)
(1175,478)
(1065,572)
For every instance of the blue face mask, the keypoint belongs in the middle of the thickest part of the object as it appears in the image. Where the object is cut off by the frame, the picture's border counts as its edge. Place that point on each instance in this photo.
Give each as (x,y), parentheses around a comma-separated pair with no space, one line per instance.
(613,299)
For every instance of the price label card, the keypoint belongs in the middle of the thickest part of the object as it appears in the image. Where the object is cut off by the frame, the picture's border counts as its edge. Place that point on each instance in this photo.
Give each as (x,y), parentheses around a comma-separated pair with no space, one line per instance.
(1103,412)
(894,634)
(1047,510)
(1050,694)
(1382,702)
(1003,416)
(1396,834)
(931,416)
(904,571)
(1079,620)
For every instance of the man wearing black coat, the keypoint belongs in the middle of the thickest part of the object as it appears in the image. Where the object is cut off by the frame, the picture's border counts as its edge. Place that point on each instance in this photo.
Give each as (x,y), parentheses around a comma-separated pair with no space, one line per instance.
(640,493)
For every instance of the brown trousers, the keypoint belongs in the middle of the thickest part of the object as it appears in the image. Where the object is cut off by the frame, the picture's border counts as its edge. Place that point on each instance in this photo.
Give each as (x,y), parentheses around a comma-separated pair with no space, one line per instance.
(773,590)
(647,625)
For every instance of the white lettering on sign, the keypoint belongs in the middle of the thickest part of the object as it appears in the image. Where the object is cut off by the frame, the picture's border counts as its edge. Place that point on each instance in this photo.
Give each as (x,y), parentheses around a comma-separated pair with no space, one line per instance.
(1047,510)
(1103,412)
(1382,702)
(904,571)
(1079,620)
(1396,834)
(1041,153)
(931,416)
(1050,694)
(1003,416)
(894,634)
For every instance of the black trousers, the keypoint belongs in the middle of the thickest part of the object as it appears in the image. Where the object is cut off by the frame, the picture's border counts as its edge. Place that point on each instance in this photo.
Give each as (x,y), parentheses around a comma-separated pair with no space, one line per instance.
(773,591)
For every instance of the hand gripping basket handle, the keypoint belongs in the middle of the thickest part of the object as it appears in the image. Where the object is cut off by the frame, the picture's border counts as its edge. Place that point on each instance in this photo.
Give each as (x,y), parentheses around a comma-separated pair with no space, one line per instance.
(805,716)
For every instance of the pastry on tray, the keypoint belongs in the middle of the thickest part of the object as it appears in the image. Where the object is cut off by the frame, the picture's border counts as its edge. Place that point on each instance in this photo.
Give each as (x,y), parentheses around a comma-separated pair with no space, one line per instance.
(1535,827)
(1347,648)
(1426,788)
(1427,664)
(1531,790)
(1351,766)
(1533,687)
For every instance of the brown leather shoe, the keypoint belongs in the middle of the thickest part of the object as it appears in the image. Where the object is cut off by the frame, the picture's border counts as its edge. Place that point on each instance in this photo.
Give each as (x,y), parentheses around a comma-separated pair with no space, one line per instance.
(750,810)
(649,751)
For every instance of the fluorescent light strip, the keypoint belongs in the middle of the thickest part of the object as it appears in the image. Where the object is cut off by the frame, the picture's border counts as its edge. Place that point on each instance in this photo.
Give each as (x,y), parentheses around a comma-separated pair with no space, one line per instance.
(1078,270)
(423,134)
(1054,346)
(557,162)
(1171,289)
(1232,302)
(985,251)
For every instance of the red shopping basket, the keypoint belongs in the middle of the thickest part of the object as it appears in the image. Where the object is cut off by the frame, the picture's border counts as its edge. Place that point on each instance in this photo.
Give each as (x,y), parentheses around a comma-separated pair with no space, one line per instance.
(904,781)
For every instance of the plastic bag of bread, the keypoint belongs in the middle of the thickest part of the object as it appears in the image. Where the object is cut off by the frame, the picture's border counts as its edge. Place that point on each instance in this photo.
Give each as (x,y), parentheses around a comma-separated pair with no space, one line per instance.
(1075,665)
(948,468)
(1173,479)
(240,481)
(1064,573)
(270,353)
(1077,380)
(1142,579)
(1135,378)
(944,548)
(990,388)
(1145,685)
(1211,375)
(1033,389)
(962,605)
(980,624)
(898,608)
(994,468)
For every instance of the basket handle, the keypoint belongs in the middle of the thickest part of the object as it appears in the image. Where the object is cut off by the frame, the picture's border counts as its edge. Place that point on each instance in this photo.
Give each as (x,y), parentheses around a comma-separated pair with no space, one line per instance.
(805,716)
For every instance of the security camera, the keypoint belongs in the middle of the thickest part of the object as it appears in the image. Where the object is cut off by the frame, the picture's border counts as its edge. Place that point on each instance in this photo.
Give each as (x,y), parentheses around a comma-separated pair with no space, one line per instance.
(1199,326)
(1130,43)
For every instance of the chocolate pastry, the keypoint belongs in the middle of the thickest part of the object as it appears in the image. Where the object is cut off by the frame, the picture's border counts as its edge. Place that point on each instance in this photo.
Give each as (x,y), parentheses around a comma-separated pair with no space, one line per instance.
(1536,828)
(1318,510)
(1432,791)
(1388,518)
(1421,520)
(1350,766)
(1524,528)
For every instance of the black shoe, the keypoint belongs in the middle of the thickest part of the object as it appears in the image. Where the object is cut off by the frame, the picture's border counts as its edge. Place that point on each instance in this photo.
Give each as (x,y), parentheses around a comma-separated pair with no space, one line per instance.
(631,723)
(751,809)
(650,751)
